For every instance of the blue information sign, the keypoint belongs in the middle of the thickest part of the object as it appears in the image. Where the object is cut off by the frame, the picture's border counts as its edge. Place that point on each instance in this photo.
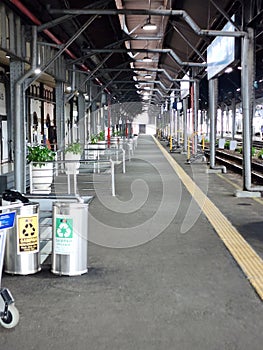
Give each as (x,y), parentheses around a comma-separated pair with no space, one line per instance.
(7,220)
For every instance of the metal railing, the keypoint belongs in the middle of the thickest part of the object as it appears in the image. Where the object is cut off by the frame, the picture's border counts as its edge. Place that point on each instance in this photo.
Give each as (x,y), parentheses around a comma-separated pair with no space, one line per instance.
(53,177)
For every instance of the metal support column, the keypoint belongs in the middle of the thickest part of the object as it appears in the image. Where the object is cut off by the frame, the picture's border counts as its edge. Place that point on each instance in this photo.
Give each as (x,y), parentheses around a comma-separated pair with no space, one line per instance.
(18,124)
(81,118)
(185,123)
(233,108)
(195,111)
(60,114)
(213,90)
(247,80)
(223,108)
(213,94)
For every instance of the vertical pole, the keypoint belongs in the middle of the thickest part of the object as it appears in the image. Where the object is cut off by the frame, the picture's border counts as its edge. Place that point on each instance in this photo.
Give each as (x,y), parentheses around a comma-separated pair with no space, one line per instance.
(178,112)
(123,161)
(60,114)
(195,116)
(185,123)
(171,119)
(81,119)
(222,120)
(112,179)
(193,124)
(213,90)
(233,118)
(18,103)
(247,63)
(109,120)
(30,178)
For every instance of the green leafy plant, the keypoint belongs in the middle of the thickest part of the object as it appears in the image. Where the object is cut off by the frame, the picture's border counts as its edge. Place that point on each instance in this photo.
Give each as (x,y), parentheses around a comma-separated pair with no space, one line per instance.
(116,133)
(240,150)
(260,154)
(101,136)
(94,139)
(39,155)
(74,148)
(227,144)
(253,151)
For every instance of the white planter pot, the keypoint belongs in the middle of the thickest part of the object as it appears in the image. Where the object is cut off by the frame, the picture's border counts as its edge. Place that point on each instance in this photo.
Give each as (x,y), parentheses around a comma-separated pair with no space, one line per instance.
(102,144)
(93,146)
(42,178)
(72,167)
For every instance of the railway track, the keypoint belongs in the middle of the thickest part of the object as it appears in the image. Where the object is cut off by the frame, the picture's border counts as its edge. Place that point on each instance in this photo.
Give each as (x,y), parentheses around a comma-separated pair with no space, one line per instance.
(233,162)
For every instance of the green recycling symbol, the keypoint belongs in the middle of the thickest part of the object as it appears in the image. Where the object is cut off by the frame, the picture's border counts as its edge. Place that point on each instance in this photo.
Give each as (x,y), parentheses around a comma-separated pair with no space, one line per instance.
(64,228)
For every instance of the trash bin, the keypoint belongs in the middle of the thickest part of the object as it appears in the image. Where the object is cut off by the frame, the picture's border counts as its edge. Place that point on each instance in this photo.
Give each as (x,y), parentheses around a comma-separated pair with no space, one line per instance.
(22,242)
(70,238)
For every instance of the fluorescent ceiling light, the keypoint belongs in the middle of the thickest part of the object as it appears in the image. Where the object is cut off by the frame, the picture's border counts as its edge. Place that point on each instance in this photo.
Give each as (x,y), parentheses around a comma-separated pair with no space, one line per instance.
(147,59)
(147,76)
(148,25)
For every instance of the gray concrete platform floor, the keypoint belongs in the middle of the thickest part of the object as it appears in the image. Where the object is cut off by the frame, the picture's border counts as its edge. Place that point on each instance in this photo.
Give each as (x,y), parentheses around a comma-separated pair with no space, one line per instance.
(159,276)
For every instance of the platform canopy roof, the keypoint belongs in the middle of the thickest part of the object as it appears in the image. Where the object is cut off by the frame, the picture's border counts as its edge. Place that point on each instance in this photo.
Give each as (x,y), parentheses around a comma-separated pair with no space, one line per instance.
(114,44)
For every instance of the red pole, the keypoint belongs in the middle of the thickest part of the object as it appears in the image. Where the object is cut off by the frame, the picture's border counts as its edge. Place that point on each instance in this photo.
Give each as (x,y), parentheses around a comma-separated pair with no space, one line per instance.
(193,111)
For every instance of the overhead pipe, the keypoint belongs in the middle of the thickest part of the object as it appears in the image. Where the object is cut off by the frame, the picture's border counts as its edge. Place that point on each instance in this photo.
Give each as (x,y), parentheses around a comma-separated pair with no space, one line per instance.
(168,51)
(90,75)
(157,82)
(187,41)
(147,82)
(61,50)
(56,21)
(37,22)
(150,12)
(146,69)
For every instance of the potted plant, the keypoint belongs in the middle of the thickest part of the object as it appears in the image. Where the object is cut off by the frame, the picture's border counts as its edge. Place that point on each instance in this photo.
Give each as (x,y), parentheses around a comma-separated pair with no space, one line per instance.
(93,139)
(93,144)
(41,159)
(101,140)
(73,153)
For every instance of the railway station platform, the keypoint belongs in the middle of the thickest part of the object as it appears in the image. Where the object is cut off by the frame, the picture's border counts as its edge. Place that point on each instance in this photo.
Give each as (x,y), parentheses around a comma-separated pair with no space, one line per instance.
(175,262)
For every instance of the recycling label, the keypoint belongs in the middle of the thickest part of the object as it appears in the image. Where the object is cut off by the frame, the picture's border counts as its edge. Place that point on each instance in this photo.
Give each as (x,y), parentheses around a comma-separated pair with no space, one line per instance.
(63,240)
(27,234)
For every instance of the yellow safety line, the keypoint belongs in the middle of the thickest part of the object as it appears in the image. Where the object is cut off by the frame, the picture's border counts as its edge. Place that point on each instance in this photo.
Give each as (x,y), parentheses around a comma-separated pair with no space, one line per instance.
(243,253)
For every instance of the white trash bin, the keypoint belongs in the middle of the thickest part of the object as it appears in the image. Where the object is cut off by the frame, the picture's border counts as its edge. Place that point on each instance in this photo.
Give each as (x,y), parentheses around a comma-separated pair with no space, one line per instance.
(70,238)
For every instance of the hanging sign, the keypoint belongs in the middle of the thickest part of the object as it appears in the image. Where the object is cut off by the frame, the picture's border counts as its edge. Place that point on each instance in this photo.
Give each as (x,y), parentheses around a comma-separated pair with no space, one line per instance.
(27,234)
(63,242)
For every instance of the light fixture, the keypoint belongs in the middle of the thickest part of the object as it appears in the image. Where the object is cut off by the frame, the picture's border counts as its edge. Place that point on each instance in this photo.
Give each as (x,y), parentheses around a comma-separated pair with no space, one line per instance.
(146,97)
(147,59)
(229,70)
(147,76)
(37,71)
(7,56)
(148,25)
